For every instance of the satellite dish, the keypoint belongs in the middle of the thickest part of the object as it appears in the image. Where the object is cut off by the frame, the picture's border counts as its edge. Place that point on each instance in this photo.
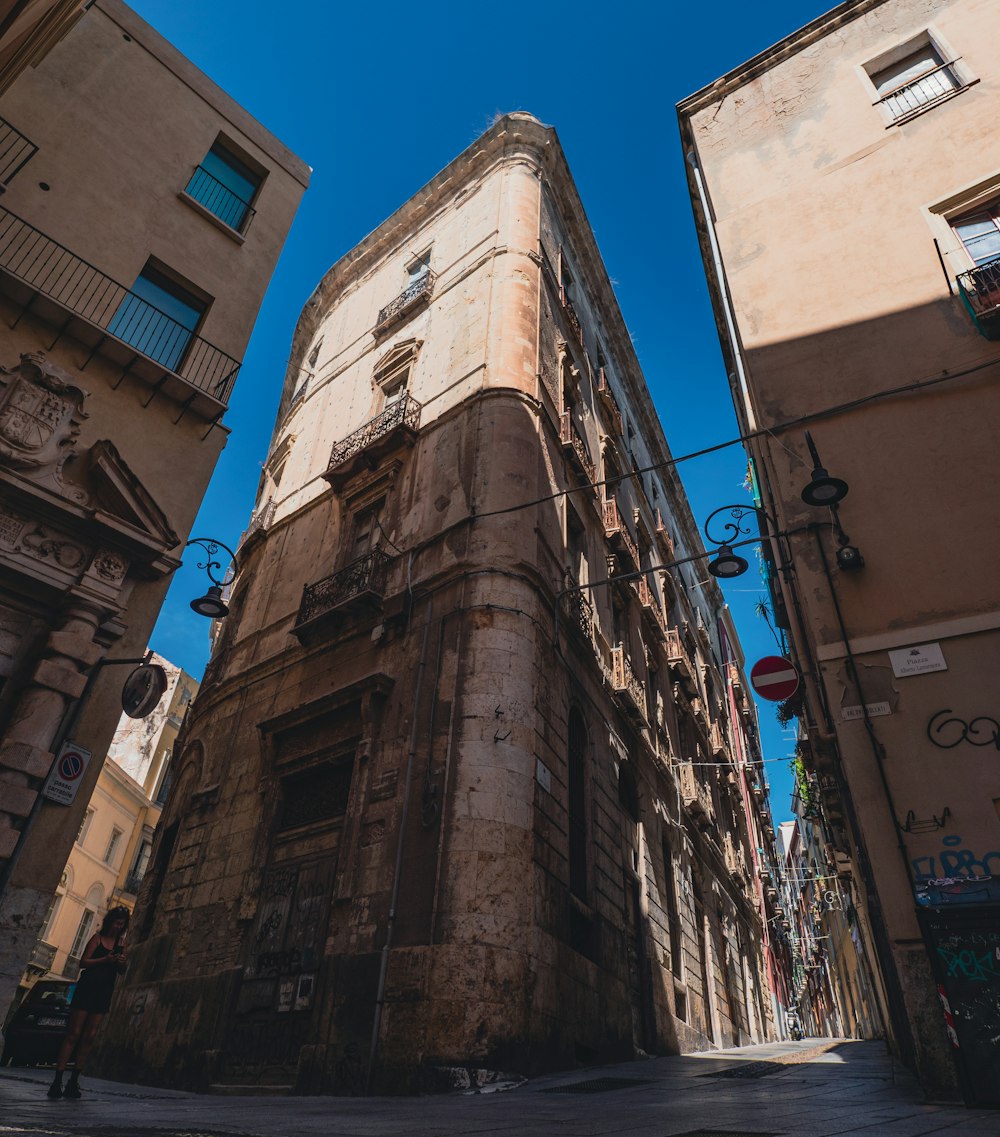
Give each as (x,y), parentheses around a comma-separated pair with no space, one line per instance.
(143,689)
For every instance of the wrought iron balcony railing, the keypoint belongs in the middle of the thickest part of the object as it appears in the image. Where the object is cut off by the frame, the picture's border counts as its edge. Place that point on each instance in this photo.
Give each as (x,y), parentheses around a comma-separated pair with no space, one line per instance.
(133,882)
(571,440)
(363,579)
(403,413)
(410,297)
(51,270)
(42,956)
(617,532)
(581,612)
(220,200)
(609,402)
(16,152)
(260,519)
(980,291)
(625,683)
(931,87)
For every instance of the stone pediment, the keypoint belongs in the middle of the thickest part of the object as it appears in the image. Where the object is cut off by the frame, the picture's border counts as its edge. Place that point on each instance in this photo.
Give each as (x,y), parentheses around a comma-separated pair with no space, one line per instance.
(118,495)
(41,416)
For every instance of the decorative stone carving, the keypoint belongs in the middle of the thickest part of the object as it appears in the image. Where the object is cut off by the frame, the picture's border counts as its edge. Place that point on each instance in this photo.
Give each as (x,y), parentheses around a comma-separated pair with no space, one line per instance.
(41,542)
(41,413)
(110,566)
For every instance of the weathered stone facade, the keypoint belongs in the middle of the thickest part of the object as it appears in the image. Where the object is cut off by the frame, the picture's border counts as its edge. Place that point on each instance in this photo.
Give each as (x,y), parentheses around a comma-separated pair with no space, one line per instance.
(457,789)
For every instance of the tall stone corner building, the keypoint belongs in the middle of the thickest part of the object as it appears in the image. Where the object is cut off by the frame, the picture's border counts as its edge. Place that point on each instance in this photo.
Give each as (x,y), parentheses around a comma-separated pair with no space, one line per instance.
(449,795)
(141,217)
(846,188)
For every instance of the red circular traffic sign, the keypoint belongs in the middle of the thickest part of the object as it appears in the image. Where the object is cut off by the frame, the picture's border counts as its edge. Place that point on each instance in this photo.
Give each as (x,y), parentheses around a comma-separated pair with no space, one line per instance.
(71,766)
(773,677)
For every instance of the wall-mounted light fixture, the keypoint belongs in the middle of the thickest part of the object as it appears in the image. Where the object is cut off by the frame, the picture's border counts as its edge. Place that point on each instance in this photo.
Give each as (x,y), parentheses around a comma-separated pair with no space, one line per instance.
(212,605)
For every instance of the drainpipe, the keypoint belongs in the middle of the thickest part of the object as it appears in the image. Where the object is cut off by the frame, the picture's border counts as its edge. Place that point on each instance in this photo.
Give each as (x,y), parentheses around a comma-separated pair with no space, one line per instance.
(724,297)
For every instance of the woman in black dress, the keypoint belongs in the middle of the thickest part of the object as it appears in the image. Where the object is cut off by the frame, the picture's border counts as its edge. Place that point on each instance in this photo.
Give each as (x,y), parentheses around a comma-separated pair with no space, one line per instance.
(103,959)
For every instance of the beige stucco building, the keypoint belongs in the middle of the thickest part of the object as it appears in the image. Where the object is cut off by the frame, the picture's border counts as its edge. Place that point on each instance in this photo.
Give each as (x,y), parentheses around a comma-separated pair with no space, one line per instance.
(142,215)
(113,846)
(846,186)
(486,814)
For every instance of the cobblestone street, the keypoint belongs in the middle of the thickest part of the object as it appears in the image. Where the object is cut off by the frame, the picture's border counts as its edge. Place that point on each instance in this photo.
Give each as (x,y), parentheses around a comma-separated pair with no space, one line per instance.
(807,1089)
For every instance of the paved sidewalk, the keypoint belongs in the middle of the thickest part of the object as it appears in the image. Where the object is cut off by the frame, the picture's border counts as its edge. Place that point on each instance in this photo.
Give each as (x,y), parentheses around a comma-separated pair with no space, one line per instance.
(789,1089)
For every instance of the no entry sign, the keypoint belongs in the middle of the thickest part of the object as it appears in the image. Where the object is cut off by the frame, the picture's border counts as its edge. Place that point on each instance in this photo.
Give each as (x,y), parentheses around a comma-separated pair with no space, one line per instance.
(773,677)
(67,770)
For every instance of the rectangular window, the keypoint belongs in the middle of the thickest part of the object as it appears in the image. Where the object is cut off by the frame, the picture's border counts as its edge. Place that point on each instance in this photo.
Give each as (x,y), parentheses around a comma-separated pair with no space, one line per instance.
(82,934)
(915,75)
(84,826)
(226,186)
(158,317)
(116,836)
(318,794)
(979,232)
(915,81)
(164,788)
(50,917)
(419,267)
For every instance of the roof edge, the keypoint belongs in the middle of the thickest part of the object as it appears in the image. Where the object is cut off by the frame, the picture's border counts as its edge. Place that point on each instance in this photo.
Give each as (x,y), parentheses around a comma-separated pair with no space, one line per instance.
(777,53)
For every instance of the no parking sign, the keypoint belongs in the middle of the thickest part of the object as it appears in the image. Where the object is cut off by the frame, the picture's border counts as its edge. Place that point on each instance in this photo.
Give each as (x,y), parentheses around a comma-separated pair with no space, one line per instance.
(66,773)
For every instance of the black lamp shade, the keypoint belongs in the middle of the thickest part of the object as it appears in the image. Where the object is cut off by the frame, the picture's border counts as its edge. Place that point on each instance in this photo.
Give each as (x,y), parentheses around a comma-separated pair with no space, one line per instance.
(211,604)
(727,564)
(824,490)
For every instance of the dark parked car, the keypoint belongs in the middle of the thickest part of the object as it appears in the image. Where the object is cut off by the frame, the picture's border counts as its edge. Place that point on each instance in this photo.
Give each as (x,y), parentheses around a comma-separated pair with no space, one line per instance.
(38,1026)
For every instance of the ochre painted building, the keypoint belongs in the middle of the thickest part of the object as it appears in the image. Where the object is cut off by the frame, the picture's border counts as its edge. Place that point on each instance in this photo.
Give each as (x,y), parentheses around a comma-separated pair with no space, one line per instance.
(460,788)
(846,185)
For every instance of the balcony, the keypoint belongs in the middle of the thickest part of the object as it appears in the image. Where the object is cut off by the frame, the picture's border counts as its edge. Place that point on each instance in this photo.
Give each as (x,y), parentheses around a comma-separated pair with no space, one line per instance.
(42,957)
(980,292)
(663,538)
(571,317)
(717,739)
(677,654)
(580,612)
(736,682)
(609,403)
(219,200)
(696,795)
(16,152)
(617,533)
(260,521)
(357,589)
(631,692)
(42,276)
(576,448)
(411,298)
(133,882)
(735,863)
(651,609)
(394,429)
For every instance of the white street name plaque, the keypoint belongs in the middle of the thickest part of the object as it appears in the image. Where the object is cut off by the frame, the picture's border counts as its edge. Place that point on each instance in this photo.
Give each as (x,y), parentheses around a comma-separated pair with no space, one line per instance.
(917,659)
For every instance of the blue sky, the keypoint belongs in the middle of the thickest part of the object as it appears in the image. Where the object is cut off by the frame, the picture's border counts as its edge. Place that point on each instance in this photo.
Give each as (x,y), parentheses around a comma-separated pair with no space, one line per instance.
(378,97)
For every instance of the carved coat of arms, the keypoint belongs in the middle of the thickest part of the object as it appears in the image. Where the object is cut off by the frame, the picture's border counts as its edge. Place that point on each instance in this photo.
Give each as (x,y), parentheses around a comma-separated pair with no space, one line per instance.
(41,412)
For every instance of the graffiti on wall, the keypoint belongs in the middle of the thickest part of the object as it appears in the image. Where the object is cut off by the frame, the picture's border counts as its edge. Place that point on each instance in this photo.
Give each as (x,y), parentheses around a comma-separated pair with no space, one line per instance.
(948,731)
(956,874)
